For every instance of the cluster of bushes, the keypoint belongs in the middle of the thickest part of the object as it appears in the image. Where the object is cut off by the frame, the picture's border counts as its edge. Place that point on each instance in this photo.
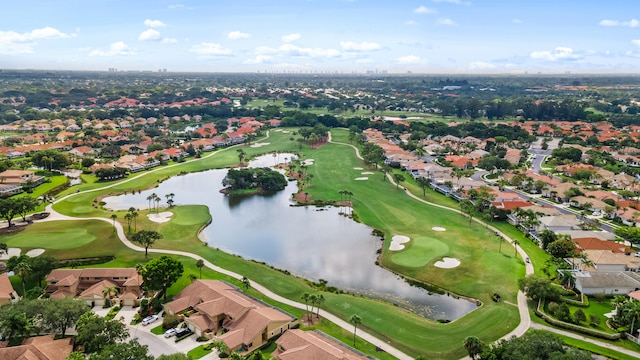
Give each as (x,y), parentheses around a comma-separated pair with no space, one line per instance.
(112,313)
(560,311)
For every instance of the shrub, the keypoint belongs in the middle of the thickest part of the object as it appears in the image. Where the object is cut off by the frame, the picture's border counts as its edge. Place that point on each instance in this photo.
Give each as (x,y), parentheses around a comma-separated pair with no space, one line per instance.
(579,316)
(594,320)
(170,321)
(201,339)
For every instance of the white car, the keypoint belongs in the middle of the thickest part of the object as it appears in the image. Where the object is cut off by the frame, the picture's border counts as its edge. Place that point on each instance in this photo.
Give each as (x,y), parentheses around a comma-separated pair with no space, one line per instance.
(149,319)
(169,333)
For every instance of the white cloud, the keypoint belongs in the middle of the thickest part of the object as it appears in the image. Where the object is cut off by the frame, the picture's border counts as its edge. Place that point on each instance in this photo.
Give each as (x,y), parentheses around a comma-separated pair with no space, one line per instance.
(169,40)
(176,6)
(446,22)
(236,35)
(457,2)
(263,50)
(209,49)
(363,46)
(12,42)
(481,65)
(631,23)
(410,22)
(424,10)
(149,34)
(290,37)
(259,59)
(559,53)
(409,59)
(115,49)
(636,42)
(364,61)
(293,50)
(516,21)
(154,23)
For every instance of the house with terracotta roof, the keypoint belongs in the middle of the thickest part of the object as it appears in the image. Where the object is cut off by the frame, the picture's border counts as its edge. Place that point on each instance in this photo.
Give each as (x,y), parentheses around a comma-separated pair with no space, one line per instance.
(218,309)
(13,181)
(313,345)
(7,294)
(39,348)
(89,284)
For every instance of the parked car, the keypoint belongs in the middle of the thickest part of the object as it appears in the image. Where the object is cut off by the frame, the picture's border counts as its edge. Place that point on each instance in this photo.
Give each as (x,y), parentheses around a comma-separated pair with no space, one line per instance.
(149,319)
(169,333)
(182,332)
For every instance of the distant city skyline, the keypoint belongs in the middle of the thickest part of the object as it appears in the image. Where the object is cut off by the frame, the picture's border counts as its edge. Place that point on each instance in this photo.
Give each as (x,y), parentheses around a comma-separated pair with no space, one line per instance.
(324,36)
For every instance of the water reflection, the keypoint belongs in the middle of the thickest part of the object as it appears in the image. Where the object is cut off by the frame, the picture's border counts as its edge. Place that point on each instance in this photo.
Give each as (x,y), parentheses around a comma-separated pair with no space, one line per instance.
(309,242)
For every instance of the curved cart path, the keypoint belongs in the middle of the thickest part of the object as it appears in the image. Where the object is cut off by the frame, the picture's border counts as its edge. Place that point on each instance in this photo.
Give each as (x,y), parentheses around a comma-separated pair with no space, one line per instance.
(55,216)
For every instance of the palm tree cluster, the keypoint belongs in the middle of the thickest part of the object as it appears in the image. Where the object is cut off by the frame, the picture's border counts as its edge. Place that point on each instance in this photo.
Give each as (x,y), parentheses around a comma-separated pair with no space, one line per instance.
(156,200)
(627,312)
(315,300)
(345,197)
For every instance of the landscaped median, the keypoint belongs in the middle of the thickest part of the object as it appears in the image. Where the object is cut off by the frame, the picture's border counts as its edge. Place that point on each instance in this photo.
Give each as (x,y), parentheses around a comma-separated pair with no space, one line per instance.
(483,270)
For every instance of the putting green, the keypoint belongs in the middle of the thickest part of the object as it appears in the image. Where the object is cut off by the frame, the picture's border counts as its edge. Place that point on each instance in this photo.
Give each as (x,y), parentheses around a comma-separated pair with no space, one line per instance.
(62,237)
(82,209)
(421,251)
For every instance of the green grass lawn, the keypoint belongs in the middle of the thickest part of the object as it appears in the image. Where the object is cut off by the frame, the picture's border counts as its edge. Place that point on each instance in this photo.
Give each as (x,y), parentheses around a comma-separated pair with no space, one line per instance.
(198,352)
(596,349)
(483,271)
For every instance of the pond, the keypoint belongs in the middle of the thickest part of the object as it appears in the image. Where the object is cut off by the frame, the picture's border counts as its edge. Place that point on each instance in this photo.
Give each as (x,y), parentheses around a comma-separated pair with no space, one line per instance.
(314,243)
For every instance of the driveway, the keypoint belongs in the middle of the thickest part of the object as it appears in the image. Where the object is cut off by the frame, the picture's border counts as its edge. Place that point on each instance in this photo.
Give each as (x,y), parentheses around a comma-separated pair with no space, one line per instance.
(157,344)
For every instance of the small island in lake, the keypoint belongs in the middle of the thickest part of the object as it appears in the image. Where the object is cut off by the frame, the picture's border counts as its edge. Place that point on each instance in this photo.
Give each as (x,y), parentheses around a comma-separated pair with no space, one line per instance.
(253,181)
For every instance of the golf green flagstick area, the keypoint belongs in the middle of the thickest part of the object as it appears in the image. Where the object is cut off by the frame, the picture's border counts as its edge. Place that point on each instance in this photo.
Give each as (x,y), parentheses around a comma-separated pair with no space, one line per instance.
(483,269)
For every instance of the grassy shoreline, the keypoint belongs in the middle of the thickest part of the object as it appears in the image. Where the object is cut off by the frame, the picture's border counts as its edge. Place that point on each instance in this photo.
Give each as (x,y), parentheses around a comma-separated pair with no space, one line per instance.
(377,204)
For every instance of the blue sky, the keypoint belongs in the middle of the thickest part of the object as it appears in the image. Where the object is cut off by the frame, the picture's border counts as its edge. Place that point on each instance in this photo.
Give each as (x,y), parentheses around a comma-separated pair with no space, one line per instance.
(430,36)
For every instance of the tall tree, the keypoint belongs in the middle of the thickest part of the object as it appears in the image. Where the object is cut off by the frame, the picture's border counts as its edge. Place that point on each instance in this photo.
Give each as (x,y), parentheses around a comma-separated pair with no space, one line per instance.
(96,332)
(200,265)
(356,321)
(473,345)
(160,273)
(146,239)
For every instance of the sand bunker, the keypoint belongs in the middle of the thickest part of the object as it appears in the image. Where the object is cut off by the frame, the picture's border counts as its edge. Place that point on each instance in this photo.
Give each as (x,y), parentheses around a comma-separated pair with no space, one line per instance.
(447,263)
(358,168)
(438,228)
(367,173)
(35,252)
(10,252)
(362,178)
(160,217)
(257,145)
(397,242)
(307,162)
(286,131)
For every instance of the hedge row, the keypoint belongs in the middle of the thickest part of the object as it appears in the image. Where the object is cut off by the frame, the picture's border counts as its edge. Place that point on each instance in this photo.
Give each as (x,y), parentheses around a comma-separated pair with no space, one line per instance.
(577,328)
(584,303)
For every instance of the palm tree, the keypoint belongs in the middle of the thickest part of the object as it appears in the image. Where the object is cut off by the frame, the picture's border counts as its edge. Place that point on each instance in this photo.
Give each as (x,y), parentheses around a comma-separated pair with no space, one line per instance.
(114,217)
(473,345)
(221,346)
(515,246)
(313,299)
(235,356)
(356,321)
(200,265)
(109,292)
(170,199)
(128,217)
(22,269)
(134,216)
(319,301)
(306,297)
(150,198)
(567,279)
(193,277)
(501,240)
(157,201)
(146,238)
(241,156)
